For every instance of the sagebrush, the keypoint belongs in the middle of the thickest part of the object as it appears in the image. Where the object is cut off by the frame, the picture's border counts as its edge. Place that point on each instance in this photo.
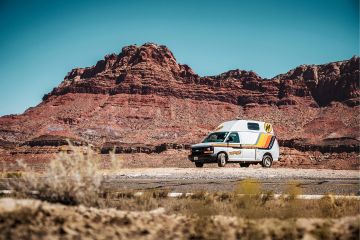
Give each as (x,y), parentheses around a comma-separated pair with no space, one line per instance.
(73,177)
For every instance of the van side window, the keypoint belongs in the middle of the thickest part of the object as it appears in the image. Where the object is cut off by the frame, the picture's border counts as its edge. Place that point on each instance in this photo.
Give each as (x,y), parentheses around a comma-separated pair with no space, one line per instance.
(253,126)
(235,137)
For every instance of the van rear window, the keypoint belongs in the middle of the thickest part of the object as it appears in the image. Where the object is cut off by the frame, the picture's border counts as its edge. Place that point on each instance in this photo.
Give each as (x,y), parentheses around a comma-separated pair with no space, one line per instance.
(253,126)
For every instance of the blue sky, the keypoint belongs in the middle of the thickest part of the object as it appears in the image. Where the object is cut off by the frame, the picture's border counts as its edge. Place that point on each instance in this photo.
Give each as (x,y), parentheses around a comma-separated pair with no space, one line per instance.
(40,41)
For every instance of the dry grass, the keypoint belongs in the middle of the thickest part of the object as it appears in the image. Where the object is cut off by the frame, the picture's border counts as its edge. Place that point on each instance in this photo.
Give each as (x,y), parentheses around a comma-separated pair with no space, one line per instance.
(29,219)
(76,177)
(247,213)
(71,178)
(11,175)
(203,205)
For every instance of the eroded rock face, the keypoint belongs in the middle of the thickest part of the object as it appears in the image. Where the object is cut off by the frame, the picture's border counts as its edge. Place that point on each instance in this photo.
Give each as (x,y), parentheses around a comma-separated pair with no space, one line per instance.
(337,81)
(142,98)
(152,69)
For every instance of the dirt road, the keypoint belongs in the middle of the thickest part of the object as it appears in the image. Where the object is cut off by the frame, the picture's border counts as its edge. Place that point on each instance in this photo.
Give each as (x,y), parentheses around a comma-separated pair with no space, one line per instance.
(311,181)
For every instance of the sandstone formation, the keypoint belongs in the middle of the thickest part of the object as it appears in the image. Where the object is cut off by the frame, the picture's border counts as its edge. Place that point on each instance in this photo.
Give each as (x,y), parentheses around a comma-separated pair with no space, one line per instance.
(141,100)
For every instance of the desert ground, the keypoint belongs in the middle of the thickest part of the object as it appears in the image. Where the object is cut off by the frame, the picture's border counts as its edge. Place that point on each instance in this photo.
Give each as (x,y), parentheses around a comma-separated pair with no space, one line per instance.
(310,181)
(25,219)
(77,195)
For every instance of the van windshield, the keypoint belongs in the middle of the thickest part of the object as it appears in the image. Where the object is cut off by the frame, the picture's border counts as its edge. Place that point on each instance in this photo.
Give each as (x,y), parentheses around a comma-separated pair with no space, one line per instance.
(216,137)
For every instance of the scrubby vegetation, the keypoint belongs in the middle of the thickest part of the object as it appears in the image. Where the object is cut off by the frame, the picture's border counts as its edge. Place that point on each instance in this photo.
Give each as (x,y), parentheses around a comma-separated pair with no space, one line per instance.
(76,177)
(73,177)
(31,219)
(258,205)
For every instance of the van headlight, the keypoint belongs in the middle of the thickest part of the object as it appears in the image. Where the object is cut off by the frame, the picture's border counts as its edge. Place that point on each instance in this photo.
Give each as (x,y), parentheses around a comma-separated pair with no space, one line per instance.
(209,150)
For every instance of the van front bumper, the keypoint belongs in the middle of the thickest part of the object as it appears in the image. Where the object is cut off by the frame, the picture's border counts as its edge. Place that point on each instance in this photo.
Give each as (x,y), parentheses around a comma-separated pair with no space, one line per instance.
(204,158)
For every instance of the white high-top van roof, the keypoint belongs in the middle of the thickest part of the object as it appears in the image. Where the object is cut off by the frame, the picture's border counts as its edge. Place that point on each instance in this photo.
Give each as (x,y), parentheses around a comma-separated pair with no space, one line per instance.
(244,125)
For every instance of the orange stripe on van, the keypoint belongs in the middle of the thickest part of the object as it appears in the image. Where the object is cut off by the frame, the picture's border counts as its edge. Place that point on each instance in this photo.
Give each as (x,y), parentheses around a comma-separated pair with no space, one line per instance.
(261,141)
(264,140)
(267,142)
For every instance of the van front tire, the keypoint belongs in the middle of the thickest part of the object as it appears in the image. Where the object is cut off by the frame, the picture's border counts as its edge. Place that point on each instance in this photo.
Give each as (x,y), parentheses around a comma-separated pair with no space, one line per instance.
(221,159)
(199,164)
(266,161)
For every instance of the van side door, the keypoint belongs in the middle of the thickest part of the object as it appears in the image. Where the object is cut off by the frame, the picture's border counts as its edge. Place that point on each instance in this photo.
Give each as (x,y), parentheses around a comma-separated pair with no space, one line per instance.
(233,149)
(248,149)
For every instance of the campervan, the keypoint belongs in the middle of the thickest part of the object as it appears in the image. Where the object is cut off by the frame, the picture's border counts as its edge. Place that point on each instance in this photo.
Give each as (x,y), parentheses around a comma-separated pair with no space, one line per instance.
(239,141)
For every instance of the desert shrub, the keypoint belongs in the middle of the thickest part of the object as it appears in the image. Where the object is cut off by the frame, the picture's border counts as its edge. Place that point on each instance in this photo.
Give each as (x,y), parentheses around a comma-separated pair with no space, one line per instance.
(148,200)
(200,195)
(322,231)
(292,189)
(71,178)
(224,196)
(267,196)
(116,162)
(202,208)
(204,227)
(328,206)
(293,207)
(163,193)
(336,207)
(248,198)
(249,187)
(247,193)
(253,232)
(13,174)
(5,171)
(205,205)
(126,194)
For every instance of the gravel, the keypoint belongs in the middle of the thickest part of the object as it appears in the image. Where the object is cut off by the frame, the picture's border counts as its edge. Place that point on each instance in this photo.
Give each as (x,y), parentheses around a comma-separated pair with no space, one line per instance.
(233,173)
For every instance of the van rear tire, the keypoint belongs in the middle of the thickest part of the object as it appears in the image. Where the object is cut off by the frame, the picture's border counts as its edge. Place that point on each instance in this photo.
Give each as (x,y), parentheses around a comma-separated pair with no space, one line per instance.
(266,161)
(199,164)
(221,159)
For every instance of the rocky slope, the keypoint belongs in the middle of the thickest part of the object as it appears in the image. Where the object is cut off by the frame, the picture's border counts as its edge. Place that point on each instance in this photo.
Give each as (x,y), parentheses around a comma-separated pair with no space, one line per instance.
(142,98)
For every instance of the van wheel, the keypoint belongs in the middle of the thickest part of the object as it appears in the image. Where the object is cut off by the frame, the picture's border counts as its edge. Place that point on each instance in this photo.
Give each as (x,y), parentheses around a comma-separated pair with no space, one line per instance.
(266,161)
(244,164)
(199,164)
(221,159)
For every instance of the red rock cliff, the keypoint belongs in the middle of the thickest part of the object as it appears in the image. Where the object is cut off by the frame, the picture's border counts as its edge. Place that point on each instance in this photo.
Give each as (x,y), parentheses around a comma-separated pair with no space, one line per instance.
(152,69)
(142,96)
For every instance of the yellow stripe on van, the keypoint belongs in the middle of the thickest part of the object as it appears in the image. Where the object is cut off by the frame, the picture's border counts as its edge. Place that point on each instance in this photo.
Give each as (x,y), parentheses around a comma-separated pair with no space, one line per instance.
(263,139)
